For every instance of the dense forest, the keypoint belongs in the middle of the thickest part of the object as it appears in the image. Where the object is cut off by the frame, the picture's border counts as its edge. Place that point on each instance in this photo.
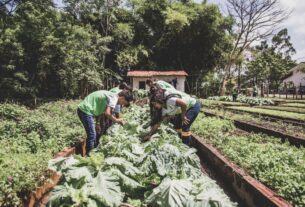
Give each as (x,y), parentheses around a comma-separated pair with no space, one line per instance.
(60,52)
(65,50)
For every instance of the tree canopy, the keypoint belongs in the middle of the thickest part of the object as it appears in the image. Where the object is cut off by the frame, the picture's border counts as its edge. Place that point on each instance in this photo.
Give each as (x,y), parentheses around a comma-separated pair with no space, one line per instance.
(50,52)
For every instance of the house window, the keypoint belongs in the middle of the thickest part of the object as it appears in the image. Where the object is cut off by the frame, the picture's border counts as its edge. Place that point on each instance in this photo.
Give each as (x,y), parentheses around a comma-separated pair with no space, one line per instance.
(142,85)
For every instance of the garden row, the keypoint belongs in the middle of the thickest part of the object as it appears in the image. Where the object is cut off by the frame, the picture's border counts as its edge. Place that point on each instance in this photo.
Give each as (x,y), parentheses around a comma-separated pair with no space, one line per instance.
(278,165)
(273,113)
(243,99)
(29,139)
(276,116)
(161,172)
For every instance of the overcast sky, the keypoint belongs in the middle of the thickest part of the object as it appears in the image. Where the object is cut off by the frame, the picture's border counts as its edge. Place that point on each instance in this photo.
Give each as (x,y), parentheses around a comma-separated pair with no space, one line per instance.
(295,24)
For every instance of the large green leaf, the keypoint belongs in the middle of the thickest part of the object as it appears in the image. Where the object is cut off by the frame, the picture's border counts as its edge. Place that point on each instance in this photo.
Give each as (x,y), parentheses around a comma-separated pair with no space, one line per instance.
(105,189)
(170,193)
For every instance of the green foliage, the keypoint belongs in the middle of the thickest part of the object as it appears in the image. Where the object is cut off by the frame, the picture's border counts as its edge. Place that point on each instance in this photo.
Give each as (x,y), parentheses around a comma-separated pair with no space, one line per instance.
(275,113)
(283,108)
(272,63)
(50,52)
(31,138)
(161,172)
(140,94)
(243,99)
(278,165)
(210,84)
(192,36)
(297,105)
(46,54)
(131,56)
(278,125)
(213,104)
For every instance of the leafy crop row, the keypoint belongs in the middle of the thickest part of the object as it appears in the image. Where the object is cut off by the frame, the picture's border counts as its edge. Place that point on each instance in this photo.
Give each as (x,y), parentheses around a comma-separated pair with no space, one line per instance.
(162,172)
(270,112)
(283,108)
(29,138)
(284,127)
(244,99)
(140,93)
(296,105)
(212,103)
(278,165)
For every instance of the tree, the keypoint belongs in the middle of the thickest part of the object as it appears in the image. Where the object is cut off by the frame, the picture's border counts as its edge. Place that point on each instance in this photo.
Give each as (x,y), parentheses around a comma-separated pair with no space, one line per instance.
(272,63)
(48,55)
(255,20)
(186,35)
(100,14)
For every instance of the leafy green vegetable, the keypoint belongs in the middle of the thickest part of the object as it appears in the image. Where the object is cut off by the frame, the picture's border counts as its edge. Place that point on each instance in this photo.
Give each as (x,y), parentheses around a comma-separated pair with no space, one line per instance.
(31,138)
(270,112)
(171,193)
(140,93)
(278,165)
(244,99)
(161,172)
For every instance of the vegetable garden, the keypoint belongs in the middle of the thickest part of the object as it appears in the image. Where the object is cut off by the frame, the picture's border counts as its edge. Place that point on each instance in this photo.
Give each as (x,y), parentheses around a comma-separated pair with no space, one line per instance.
(162,172)
(246,151)
(29,139)
(125,171)
(279,165)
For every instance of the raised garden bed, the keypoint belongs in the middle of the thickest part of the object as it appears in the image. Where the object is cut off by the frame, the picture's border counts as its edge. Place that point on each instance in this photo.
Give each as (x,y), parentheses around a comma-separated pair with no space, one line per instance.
(280,100)
(31,137)
(250,127)
(287,116)
(212,103)
(250,191)
(278,165)
(37,197)
(294,105)
(263,121)
(284,108)
(125,170)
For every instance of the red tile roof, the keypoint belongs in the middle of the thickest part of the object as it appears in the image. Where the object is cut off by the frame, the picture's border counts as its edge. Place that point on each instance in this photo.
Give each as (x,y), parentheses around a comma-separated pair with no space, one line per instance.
(150,73)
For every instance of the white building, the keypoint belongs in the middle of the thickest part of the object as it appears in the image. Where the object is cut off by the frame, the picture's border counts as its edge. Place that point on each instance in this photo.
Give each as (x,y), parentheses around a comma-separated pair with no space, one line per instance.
(138,78)
(296,76)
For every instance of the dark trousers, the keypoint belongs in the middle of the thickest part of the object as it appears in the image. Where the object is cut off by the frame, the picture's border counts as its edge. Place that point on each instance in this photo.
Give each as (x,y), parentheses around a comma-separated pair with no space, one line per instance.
(184,129)
(89,125)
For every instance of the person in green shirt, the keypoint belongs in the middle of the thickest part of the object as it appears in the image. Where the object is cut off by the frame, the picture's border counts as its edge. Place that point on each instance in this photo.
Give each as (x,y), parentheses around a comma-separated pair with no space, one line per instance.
(155,87)
(179,105)
(96,104)
(106,123)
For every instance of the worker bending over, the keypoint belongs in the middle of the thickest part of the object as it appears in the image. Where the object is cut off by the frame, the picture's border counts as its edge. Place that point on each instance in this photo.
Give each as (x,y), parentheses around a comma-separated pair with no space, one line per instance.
(181,108)
(122,86)
(155,87)
(96,104)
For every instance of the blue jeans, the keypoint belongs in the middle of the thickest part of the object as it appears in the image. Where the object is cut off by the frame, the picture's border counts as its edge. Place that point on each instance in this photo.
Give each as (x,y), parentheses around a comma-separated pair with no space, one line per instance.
(191,115)
(88,123)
